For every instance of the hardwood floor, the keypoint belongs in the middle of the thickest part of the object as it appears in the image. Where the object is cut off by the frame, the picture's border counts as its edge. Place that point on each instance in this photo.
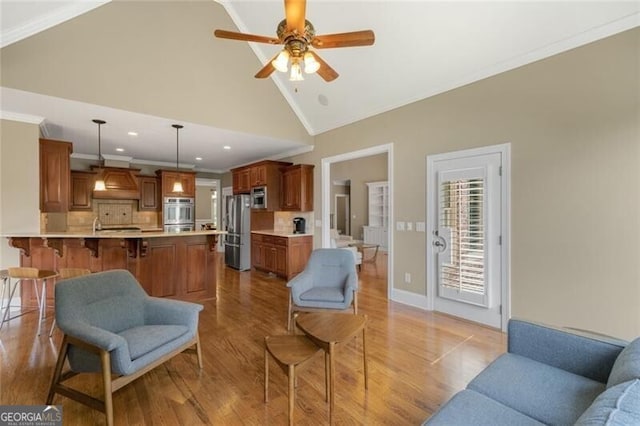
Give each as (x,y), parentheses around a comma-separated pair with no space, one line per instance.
(417,361)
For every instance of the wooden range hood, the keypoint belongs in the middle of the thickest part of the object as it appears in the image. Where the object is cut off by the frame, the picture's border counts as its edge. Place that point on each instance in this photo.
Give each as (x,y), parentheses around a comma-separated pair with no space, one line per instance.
(121,183)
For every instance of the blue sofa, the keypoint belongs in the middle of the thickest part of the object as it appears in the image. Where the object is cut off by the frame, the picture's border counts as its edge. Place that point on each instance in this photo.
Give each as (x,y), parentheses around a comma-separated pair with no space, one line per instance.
(551,376)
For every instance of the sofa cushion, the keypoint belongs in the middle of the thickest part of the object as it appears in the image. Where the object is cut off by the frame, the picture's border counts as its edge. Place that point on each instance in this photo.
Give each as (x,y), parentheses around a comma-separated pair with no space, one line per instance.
(146,338)
(472,408)
(547,394)
(617,406)
(627,365)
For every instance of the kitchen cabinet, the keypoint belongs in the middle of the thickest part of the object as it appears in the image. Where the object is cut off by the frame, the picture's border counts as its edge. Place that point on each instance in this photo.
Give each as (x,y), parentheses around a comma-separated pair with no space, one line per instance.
(168,178)
(297,188)
(149,193)
(241,180)
(54,175)
(264,173)
(283,256)
(81,190)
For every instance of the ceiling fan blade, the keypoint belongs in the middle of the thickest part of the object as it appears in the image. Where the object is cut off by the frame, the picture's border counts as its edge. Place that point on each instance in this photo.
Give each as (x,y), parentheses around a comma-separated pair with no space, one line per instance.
(267,70)
(325,71)
(356,38)
(232,35)
(294,11)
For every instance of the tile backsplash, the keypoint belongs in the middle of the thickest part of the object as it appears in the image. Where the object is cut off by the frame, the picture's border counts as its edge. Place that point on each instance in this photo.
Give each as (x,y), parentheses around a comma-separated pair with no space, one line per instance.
(110,213)
(283,221)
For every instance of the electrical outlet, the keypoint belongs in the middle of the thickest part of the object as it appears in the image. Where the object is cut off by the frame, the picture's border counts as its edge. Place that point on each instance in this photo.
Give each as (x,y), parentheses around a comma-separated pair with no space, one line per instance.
(407,277)
(409,226)
(318,223)
(420,226)
(400,226)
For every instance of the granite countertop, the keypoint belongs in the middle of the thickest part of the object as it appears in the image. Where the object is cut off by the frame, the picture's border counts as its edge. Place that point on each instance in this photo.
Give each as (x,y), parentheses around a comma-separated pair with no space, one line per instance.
(109,234)
(279,233)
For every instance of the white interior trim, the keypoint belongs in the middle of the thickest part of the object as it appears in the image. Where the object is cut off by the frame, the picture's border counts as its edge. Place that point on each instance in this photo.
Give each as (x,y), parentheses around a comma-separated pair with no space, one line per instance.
(12,35)
(22,118)
(325,165)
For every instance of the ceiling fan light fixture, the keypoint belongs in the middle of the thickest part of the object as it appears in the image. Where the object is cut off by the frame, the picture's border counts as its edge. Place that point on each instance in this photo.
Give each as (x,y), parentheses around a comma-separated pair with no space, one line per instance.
(281,62)
(310,63)
(296,72)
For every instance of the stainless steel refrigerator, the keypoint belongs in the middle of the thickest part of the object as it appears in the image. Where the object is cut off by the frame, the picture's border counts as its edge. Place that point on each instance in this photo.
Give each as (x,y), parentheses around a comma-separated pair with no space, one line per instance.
(237,243)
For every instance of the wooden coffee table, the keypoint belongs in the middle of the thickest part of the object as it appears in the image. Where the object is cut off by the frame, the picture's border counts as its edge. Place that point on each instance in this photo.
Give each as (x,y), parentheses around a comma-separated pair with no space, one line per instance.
(327,329)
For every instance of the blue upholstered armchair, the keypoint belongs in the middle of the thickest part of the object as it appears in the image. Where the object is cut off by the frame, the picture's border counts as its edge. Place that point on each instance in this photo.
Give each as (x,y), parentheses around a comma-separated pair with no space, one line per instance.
(329,281)
(111,325)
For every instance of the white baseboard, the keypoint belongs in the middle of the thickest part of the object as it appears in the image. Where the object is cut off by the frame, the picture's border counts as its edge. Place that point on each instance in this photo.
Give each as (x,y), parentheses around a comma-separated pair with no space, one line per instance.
(409,298)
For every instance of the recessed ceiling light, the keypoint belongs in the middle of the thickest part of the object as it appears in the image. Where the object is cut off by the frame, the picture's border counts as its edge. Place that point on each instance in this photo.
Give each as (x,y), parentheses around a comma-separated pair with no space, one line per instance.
(132,133)
(198,158)
(120,149)
(226,147)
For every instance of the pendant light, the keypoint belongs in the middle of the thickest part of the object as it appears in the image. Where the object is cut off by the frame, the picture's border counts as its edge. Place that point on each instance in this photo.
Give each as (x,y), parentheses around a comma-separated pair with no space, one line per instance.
(99,184)
(177,185)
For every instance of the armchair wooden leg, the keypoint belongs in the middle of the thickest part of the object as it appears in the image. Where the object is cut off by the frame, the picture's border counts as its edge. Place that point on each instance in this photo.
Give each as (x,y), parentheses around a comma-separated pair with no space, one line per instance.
(57,373)
(198,350)
(105,360)
(266,372)
(290,313)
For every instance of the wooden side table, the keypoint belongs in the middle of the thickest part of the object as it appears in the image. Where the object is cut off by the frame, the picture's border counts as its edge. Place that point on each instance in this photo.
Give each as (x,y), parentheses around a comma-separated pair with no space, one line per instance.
(291,352)
(327,329)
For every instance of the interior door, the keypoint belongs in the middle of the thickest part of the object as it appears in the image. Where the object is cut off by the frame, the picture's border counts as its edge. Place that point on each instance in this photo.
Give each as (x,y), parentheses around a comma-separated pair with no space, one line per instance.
(466,237)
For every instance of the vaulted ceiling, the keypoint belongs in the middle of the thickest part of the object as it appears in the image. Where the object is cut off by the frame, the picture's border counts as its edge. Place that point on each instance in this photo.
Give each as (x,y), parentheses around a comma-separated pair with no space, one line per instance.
(161,64)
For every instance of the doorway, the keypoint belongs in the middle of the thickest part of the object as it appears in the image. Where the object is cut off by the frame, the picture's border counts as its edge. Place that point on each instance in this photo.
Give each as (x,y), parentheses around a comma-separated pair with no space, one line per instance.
(467,243)
(326,212)
(342,215)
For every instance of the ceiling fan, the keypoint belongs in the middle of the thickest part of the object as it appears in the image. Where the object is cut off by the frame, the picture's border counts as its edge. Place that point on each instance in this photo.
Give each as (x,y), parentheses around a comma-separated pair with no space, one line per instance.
(298,37)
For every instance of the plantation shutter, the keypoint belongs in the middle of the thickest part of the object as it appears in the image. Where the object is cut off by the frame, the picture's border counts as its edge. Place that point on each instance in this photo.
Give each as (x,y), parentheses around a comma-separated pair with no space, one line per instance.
(462,226)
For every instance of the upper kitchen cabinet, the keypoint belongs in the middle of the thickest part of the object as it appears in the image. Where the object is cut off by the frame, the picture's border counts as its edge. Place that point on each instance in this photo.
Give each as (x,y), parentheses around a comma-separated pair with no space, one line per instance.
(149,193)
(241,180)
(265,174)
(168,178)
(81,190)
(297,188)
(54,175)
(120,183)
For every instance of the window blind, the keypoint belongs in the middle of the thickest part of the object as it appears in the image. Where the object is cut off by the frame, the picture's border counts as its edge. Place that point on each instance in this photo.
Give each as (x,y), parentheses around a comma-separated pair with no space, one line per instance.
(462,207)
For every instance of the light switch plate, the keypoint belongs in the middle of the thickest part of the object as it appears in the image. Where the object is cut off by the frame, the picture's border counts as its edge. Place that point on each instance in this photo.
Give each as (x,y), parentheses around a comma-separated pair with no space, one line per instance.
(420,226)
(400,226)
(409,226)
(318,223)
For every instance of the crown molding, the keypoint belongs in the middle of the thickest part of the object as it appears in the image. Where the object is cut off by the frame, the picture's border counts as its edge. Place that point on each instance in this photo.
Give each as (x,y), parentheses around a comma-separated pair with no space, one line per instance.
(52,19)
(23,118)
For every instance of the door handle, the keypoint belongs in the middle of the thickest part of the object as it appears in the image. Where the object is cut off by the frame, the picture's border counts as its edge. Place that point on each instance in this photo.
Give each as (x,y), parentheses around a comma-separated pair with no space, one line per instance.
(440,243)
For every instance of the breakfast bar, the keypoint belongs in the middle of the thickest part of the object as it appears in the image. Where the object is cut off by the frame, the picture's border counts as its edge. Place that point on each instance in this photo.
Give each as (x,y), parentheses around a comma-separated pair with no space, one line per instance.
(167,264)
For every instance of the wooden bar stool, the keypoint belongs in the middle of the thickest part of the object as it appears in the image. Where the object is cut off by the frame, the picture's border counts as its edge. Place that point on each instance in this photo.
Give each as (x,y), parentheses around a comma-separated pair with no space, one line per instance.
(21,274)
(291,352)
(64,274)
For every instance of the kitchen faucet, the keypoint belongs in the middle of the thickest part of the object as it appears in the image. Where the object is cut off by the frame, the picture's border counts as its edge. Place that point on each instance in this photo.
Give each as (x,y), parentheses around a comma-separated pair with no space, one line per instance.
(96,225)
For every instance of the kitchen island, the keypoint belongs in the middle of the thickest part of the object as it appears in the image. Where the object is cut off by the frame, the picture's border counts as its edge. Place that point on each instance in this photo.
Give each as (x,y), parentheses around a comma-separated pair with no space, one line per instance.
(167,264)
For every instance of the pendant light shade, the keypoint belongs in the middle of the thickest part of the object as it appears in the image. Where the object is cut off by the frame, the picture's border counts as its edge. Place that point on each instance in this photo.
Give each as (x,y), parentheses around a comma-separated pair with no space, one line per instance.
(177,185)
(99,183)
